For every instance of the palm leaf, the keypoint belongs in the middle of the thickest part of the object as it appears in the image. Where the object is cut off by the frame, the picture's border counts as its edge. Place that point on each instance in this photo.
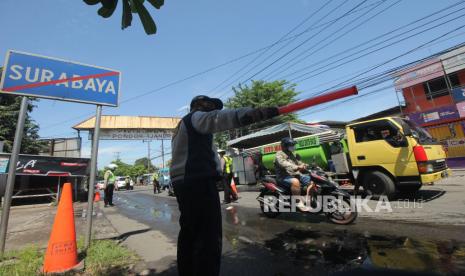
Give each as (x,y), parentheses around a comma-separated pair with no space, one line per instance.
(157,3)
(126,19)
(108,7)
(145,18)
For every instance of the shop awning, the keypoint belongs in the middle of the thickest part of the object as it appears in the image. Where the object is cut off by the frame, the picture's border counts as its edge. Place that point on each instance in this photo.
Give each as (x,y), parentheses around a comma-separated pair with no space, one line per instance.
(130,122)
(47,165)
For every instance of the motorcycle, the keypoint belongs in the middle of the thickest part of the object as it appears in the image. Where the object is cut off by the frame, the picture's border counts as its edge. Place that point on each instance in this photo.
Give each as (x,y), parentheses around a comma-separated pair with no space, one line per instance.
(338,208)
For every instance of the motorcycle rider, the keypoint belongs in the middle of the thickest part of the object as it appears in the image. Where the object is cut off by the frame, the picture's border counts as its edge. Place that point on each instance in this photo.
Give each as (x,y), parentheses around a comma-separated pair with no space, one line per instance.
(289,170)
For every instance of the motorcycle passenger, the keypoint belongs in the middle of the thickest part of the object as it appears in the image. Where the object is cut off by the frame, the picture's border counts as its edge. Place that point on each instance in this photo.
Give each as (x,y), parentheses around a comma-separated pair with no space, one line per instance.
(289,169)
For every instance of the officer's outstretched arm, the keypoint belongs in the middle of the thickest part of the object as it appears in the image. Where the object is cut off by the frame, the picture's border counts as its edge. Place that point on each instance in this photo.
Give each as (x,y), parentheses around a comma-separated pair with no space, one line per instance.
(220,120)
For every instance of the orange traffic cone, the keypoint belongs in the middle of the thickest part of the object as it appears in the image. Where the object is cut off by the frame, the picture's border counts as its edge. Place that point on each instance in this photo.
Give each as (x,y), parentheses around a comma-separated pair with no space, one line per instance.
(233,187)
(97,197)
(61,254)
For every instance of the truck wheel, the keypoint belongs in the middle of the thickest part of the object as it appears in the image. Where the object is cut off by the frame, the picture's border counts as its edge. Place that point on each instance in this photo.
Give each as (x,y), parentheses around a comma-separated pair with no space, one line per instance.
(377,183)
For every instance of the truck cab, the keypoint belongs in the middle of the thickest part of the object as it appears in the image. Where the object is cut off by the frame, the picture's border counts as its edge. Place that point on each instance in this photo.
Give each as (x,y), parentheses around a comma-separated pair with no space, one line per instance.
(392,154)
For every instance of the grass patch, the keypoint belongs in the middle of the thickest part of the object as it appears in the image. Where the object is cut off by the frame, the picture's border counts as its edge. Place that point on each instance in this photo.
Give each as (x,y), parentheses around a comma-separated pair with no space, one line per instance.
(23,262)
(104,257)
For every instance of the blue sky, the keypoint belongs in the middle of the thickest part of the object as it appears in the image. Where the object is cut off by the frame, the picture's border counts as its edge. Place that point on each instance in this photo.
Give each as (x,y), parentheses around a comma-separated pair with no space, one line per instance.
(194,36)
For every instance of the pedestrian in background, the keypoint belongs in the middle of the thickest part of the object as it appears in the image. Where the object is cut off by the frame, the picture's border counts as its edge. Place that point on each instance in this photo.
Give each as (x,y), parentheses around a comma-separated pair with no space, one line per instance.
(227,166)
(195,170)
(156,184)
(109,180)
(127,182)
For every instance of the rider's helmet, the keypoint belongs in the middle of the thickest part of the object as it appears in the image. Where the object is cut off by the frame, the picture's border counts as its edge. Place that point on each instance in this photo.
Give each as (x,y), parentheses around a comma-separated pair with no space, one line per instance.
(287,142)
(205,103)
(112,166)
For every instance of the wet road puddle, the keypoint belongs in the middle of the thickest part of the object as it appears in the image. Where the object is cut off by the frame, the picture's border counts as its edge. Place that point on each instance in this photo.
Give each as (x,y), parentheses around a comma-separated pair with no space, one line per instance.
(342,251)
(148,209)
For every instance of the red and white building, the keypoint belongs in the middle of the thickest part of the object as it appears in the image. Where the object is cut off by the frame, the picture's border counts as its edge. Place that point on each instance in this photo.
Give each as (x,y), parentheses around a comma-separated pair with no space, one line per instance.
(434,94)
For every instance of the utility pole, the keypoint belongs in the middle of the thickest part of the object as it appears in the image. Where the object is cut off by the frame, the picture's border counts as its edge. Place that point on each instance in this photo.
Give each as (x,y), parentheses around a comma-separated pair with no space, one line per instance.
(162,154)
(117,155)
(148,154)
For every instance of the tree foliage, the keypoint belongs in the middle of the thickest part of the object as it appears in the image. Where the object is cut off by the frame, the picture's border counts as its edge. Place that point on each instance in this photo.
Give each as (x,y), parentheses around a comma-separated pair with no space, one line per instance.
(259,94)
(129,7)
(124,169)
(9,112)
(143,162)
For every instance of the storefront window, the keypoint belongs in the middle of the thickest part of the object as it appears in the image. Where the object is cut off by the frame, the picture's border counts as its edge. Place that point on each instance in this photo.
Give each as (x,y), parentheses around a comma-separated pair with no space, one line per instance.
(438,87)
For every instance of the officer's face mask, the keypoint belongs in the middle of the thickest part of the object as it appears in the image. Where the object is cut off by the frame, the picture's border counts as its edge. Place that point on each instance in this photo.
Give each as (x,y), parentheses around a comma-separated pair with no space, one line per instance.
(291,148)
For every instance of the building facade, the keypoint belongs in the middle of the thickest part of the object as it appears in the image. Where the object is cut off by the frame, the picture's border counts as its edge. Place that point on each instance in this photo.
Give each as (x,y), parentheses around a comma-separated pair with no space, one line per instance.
(434,94)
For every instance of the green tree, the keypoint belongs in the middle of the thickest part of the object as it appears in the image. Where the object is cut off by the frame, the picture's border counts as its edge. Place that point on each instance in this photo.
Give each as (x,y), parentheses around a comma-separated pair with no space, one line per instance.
(144,163)
(123,169)
(9,111)
(259,94)
(129,7)
(139,168)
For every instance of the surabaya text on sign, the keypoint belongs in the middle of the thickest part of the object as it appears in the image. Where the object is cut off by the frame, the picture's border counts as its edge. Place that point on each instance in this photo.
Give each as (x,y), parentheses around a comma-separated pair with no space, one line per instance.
(33,75)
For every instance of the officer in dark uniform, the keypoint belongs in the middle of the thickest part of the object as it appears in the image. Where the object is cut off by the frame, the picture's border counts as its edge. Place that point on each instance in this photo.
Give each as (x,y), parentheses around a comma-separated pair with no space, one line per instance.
(194,171)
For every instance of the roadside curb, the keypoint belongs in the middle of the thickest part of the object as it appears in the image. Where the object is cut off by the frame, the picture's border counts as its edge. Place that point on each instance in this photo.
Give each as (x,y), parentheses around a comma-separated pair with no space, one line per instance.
(141,238)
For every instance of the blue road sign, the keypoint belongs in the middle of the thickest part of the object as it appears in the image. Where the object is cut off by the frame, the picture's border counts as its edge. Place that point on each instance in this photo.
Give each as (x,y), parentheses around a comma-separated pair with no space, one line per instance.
(44,77)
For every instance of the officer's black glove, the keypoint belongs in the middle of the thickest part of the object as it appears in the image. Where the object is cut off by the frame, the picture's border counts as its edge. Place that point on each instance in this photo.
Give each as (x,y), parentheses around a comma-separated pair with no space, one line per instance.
(259,114)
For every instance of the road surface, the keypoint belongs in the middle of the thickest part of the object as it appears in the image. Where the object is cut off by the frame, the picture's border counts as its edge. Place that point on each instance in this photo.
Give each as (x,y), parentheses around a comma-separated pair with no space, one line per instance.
(423,233)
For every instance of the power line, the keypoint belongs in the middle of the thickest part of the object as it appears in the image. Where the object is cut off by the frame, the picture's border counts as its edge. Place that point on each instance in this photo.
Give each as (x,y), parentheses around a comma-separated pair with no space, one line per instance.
(370,69)
(374,83)
(408,52)
(348,100)
(298,59)
(301,77)
(86,115)
(275,43)
(332,22)
(382,35)
(302,43)
(176,82)
(354,73)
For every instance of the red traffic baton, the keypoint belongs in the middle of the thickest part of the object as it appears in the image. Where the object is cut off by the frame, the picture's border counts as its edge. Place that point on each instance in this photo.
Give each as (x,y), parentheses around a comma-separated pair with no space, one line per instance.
(327,97)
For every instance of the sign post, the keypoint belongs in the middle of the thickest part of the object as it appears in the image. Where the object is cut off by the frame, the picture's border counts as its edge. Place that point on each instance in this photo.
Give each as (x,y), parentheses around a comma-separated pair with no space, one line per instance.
(93,171)
(38,76)
(12,174)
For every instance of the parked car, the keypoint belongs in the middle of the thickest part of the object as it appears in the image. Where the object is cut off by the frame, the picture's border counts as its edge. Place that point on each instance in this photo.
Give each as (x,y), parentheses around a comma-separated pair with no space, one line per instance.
(121,183)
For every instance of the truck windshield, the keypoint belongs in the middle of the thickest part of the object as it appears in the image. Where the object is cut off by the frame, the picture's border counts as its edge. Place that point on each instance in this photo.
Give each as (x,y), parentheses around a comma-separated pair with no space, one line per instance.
(164,171)
(418,132)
